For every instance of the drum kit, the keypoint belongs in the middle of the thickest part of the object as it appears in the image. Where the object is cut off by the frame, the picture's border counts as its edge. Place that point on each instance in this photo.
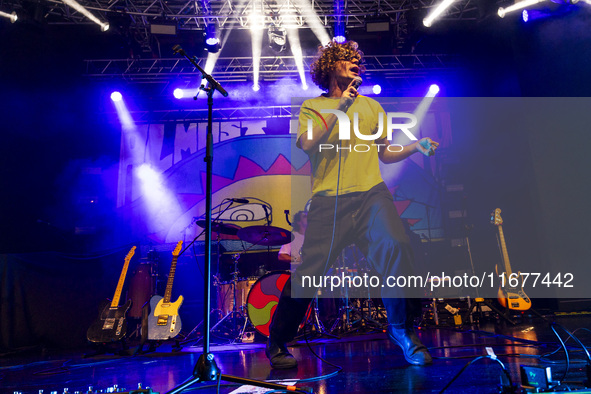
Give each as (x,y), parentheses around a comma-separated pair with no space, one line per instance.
(248,298)
(253,298)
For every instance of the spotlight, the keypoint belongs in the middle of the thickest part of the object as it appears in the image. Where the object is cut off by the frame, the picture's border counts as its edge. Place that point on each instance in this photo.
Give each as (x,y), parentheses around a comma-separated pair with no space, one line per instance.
(444,5)
(304,86)
(525,15)
(277,38)
(212,43)
(377,89)
(178,93)
(434,89)
(339,27)
(339,39)
(116,96)
(13,17)
(517,6)
(75,5)
(256,87)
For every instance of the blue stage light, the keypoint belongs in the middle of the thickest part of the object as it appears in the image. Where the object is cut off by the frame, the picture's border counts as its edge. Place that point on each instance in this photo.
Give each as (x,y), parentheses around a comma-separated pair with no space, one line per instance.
(178,93)
(377,89)
(434,89)
(116,96)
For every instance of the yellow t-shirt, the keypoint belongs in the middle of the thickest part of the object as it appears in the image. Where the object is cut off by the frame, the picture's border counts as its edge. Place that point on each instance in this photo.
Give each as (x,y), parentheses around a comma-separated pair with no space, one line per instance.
(359,169)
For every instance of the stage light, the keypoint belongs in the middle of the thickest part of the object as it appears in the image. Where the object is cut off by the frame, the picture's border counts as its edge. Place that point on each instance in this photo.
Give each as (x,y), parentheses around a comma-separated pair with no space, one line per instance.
(116,96)
(277,38)
(433,90)
(340,39)
(178,93)
(256,33)
(517,6)
(525,15)
(13,17)
(313,21)
(257,21)
(444,5)
(339,26)
(72,3)
(377,89)
(296,50)
(212,42)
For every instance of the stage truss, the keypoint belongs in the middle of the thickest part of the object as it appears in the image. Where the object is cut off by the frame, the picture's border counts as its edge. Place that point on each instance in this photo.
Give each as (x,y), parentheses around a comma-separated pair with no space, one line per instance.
(234,14)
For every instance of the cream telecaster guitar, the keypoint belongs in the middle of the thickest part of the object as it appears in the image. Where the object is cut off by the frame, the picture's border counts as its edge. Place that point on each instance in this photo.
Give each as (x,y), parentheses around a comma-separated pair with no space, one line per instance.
(512,297)
(164,321)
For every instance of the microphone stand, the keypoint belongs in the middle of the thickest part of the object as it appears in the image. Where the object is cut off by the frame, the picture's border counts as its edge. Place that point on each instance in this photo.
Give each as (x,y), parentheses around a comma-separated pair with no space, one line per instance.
(206,369)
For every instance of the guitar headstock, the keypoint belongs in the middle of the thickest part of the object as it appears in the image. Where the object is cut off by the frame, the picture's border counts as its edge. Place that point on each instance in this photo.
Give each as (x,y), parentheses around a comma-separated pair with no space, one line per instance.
(130,254)
(495,217)
(177,250)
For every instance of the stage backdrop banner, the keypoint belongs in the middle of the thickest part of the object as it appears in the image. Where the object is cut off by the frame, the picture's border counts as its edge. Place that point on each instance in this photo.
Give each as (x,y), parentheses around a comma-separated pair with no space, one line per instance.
(161,186)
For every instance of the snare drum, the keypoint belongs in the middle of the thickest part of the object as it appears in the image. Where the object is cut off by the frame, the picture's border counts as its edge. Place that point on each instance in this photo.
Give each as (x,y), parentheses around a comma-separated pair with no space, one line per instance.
(225,294)
(263,299)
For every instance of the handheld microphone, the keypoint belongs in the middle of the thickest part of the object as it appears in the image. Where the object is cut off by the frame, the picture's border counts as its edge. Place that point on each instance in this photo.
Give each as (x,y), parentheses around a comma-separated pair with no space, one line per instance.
(357,82)
(239,200)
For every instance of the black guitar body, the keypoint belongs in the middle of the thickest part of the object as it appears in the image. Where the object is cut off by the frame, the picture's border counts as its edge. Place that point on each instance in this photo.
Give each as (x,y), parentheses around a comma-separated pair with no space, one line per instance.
(111,325)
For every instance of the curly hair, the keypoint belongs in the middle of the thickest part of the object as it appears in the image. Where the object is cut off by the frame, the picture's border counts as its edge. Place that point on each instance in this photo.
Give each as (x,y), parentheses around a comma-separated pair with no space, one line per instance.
(327,58)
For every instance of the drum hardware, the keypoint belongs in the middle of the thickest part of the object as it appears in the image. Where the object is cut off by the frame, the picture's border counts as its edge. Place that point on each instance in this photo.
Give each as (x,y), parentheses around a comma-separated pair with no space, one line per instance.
(313,320)
(220,228)
(359,306)
(236,311)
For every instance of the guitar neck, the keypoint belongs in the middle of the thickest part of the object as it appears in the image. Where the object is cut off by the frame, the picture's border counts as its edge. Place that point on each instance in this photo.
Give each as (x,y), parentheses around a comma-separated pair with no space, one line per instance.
(168,292)
(504,251)
(117,296)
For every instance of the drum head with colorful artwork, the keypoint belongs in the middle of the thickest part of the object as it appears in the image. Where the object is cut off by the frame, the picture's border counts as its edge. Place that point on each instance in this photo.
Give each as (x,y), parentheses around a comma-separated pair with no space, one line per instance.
(263,299)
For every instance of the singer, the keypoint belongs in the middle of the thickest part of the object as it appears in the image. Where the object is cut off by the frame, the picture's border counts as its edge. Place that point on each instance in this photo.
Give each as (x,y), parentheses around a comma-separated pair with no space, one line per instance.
(350,202)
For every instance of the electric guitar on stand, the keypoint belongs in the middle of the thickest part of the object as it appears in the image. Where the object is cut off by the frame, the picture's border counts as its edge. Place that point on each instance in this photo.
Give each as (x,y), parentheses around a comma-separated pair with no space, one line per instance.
(511,297)
(164,321)
(111,325)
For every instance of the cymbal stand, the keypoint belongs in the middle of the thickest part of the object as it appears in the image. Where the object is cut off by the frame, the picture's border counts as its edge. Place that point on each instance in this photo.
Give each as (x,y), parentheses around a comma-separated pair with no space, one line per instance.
(234,312)
(342,323)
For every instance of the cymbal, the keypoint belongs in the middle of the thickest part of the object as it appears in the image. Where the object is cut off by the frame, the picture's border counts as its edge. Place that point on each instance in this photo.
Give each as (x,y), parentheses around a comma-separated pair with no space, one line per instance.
(221,228)
(265,235)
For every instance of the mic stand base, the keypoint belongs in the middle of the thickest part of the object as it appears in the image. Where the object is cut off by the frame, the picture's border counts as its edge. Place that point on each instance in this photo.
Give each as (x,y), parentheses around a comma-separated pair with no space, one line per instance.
(206,370)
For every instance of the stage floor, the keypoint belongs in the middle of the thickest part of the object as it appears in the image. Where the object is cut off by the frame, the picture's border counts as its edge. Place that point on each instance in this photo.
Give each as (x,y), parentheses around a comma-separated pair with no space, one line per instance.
(370,363)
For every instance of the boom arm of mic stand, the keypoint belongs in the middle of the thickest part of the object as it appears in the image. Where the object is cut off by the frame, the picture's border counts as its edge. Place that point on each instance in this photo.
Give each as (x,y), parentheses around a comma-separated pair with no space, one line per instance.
(211,80)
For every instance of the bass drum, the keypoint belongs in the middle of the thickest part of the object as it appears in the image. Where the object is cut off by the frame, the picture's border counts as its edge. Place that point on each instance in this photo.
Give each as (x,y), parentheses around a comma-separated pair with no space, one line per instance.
(263,299)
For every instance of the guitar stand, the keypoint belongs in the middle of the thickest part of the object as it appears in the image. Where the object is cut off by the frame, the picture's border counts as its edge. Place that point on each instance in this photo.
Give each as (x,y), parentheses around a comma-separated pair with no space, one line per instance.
(478,303)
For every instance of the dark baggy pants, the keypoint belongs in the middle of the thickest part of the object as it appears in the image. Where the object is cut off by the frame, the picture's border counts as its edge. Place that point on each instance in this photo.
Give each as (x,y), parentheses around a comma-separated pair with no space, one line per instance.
(367,219)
